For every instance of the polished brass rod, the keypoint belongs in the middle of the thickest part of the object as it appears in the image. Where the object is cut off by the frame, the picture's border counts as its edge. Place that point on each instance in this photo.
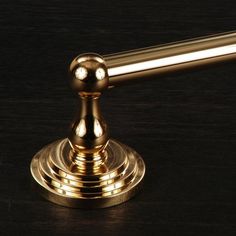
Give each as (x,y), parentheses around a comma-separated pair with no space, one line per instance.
(166,59)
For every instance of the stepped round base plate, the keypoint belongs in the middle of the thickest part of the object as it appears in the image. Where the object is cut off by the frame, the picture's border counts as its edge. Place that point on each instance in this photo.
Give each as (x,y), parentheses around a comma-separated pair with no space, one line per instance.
(118,179)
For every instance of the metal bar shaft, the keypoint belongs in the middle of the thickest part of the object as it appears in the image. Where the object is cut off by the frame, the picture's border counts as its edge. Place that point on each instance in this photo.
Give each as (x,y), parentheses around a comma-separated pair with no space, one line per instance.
(166,59)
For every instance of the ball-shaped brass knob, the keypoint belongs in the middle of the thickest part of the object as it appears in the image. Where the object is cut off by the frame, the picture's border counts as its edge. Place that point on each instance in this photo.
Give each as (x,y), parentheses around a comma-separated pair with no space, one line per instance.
(89,73)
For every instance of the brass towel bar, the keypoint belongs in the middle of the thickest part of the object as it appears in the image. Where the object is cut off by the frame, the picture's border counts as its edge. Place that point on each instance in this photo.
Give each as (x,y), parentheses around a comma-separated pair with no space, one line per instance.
(88,169)
(166,59)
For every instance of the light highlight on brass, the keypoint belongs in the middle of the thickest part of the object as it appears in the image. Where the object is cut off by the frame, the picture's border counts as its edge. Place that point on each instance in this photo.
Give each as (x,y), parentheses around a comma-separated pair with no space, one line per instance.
(170,58)
(63,180)
(88,169)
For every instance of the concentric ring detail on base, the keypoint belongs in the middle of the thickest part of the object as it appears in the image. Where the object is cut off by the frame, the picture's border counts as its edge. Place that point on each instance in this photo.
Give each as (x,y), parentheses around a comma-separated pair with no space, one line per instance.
(118,178)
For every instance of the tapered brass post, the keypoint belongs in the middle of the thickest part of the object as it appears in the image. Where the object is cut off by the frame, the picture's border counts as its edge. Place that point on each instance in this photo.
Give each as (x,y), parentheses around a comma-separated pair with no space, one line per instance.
(89,134)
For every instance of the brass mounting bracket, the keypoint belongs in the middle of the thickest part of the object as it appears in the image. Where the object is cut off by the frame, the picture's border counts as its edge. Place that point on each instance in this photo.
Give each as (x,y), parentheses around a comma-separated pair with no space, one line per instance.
(89,170)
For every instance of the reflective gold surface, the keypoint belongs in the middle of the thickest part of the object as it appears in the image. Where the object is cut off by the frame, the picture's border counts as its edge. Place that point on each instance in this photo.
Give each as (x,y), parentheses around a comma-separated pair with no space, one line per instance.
(88,169)
(116,180)
(170,58)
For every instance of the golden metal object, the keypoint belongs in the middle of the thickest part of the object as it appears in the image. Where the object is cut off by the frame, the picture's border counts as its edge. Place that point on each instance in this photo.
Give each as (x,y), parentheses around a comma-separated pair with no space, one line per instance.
(88,169)
(170,58)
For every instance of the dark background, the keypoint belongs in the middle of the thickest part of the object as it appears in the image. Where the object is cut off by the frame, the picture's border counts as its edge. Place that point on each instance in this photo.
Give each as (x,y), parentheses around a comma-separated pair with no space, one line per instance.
(183,126)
